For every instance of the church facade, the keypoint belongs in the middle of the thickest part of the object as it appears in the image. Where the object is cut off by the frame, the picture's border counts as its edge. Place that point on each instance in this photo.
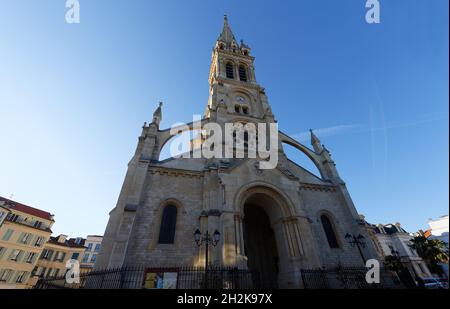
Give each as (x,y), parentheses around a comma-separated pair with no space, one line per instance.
(275,221)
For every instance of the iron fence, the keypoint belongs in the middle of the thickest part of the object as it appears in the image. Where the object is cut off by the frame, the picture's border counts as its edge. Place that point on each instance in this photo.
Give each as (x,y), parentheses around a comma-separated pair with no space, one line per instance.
(345,278)
(140,277)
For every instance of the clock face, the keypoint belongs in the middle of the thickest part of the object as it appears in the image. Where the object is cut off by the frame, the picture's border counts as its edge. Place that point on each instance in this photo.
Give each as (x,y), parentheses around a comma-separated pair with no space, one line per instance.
(240,99)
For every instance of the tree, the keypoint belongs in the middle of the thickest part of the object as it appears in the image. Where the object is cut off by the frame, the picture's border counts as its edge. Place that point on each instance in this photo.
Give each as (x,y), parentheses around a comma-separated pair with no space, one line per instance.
(432,251)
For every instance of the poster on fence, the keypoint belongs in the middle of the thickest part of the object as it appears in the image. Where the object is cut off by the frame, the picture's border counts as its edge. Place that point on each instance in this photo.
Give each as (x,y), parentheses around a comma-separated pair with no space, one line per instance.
(158,279)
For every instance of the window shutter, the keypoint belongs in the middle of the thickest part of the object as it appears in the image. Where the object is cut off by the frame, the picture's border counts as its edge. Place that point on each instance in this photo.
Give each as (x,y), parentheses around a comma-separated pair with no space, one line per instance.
(50,254)
(20,256)
(19,240)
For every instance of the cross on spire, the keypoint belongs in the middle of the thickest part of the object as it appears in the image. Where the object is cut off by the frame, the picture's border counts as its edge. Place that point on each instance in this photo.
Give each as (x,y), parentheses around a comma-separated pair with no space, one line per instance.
(227,35)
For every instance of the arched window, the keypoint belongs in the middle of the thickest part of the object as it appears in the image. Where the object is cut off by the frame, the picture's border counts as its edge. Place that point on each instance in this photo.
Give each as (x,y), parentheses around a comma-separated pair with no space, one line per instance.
(168,225)
(329,232)
(230,70)
(242,73)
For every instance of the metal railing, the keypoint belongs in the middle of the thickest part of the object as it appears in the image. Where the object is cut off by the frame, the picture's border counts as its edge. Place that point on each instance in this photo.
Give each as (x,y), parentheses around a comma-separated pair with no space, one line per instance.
(345,278)
(141,277)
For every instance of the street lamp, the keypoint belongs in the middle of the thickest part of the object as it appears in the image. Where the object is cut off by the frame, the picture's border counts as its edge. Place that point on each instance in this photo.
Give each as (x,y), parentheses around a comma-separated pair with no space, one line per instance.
(357,241)
(207,240)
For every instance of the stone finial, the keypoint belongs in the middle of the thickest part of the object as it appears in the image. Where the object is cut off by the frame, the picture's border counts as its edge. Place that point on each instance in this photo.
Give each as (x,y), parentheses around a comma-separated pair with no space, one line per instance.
(157,115)
(315,142)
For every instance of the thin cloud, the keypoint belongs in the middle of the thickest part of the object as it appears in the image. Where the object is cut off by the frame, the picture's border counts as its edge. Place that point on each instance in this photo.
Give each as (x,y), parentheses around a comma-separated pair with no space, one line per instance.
(326,132)
(305,137)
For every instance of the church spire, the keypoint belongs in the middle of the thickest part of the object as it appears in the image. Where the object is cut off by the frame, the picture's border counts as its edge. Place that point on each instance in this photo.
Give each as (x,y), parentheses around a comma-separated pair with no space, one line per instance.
(227,35)
(315,142)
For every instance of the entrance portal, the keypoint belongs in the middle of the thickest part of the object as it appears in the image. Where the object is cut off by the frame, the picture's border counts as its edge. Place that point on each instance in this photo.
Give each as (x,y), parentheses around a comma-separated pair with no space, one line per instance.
(260,245)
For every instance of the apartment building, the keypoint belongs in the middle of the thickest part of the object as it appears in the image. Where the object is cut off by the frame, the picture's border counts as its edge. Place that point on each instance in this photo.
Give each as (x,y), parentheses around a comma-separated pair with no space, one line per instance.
(57,252)
(24,230)
(93,244)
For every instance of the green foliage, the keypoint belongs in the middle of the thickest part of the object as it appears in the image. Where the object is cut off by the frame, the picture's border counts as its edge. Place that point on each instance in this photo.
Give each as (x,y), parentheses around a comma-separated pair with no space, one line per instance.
(432,251)
(393,263)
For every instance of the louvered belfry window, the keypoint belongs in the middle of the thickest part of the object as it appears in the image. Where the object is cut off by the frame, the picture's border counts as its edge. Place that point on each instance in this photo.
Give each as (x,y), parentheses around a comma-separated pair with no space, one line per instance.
(230,70)
(242,73)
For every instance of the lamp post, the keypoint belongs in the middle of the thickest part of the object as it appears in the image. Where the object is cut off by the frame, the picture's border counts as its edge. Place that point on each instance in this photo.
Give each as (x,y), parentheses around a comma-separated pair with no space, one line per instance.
(357,241)
(207,240)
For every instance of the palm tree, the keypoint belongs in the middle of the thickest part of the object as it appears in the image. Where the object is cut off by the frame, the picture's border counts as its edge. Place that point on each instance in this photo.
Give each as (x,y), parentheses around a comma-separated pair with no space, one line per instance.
(432,251)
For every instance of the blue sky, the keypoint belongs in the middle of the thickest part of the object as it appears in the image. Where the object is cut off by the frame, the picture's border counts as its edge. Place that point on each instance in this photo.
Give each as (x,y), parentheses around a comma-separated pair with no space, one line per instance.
(73,98)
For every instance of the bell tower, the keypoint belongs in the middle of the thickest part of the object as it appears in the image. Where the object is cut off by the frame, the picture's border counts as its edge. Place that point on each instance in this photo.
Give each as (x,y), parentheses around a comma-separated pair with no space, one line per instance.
(234,91)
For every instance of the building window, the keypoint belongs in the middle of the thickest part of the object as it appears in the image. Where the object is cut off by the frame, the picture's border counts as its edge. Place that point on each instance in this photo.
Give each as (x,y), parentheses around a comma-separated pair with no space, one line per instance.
(13,217)
(329,232)
(21,277)
(245,110)
(85,258)
(14,256)
(93,258)
(7,235)
(52,273)
(237,108)
(41,272)
(5,274)
(25,238)
(89,247)
(39,241)
(75,256)
(230,70)
(30,258)
(35,271)
(59,256)
(168,225)
(242,73)
(46,254)
(2,251)
(97,247)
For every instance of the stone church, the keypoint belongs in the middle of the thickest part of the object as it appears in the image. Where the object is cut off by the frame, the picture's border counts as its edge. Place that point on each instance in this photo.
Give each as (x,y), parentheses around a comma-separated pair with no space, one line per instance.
(274,221)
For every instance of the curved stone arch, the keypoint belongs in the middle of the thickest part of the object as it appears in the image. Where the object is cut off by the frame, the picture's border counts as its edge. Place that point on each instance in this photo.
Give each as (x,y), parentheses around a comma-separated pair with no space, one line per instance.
(164,136)
(237,89)
(157,214)
(230,60)
(171,201)
(334,223)
(285,203)
(252,101)
(308,152)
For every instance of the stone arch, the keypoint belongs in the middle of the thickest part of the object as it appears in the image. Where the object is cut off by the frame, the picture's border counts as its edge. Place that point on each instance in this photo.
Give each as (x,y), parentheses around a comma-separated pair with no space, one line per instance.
(300,159)
(157,215)
(269,248)
(315,158)
(334,223)
(287,206)
(237,90)
(164,136)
